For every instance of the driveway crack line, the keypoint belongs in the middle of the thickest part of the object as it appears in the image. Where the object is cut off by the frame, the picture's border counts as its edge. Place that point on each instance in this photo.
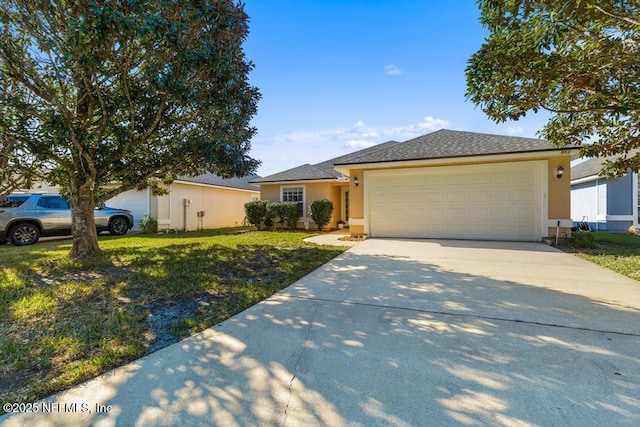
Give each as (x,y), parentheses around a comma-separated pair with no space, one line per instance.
(298,360)
(474,316)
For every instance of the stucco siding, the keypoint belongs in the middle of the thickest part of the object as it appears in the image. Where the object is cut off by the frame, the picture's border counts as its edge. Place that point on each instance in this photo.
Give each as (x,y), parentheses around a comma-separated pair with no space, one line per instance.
(270,192)
(312,191)
(222,207)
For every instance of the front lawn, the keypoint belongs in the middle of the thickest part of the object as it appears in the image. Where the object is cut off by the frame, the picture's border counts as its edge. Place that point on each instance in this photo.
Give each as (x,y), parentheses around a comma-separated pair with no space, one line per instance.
(617,252)
(63,322)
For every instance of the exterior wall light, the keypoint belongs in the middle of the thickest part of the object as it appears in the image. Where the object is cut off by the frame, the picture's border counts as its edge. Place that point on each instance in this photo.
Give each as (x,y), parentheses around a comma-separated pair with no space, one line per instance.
(355,180)
(559,172)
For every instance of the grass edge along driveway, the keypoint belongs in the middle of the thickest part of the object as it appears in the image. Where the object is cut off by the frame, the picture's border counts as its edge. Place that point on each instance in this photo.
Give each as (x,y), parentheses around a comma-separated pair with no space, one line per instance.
(63,322)
(617,252)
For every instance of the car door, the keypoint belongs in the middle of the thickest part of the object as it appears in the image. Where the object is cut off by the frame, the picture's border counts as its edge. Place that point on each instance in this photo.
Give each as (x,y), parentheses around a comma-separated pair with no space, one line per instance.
(55,214)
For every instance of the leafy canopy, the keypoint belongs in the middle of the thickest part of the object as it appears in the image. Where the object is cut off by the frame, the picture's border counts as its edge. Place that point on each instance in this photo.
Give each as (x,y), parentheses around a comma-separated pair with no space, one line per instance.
(577,59)
(97,93)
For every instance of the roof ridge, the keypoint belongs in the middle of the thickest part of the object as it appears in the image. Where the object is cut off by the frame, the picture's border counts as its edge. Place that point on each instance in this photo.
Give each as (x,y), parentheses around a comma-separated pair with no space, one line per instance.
(373,149)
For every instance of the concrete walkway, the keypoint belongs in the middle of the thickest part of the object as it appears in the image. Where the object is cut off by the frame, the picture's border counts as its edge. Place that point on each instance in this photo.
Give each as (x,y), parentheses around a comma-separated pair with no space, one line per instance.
(399,333)
(332,239)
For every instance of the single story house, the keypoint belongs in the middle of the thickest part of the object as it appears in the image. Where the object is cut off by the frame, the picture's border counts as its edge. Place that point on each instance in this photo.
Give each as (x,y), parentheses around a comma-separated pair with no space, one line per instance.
(606,204)
(203,201)
(446,184)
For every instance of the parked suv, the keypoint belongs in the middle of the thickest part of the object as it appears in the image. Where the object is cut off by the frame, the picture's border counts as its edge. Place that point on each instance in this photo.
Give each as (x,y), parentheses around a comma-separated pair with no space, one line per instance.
(24,218)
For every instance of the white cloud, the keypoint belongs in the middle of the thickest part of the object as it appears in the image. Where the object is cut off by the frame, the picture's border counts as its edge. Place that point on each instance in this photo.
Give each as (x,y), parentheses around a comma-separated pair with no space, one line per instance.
(515,130)
(432,123)
(314,146)
(392,70)
(354,143)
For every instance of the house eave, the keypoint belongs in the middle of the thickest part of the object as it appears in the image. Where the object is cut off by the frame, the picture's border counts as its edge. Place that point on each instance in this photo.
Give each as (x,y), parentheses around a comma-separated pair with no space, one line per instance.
(586,179)
(483,158)
(222,187)
(298,181)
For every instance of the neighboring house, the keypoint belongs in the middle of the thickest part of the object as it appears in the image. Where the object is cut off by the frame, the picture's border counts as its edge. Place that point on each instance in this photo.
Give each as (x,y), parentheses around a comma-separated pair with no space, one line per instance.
(606,204)
(220,202)
(447,184)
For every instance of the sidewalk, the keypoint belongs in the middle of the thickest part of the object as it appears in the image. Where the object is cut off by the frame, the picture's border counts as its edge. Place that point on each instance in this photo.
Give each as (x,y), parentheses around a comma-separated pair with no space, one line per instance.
(332,238)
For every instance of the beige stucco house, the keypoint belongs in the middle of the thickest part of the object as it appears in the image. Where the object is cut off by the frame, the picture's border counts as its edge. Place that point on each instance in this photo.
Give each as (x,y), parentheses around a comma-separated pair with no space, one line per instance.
(446,184)
(203,201)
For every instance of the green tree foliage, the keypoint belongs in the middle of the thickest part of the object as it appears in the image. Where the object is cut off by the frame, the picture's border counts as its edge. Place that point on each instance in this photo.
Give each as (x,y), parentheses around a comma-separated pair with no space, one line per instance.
(128,92)
(321,211)
(577,59)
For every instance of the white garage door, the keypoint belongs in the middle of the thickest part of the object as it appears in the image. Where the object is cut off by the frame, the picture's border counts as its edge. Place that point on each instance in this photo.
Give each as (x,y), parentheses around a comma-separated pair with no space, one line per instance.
(496,202)
(135,201)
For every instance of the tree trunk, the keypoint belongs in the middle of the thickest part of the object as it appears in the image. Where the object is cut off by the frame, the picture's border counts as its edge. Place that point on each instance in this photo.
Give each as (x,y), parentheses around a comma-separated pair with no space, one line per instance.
(83,224)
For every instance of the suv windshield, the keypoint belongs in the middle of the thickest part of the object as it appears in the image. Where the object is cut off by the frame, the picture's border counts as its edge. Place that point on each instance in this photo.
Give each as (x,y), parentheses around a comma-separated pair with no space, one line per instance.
(13,201)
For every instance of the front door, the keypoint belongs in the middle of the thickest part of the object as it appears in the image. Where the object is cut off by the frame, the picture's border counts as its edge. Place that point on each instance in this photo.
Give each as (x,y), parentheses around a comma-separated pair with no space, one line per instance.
(345,205)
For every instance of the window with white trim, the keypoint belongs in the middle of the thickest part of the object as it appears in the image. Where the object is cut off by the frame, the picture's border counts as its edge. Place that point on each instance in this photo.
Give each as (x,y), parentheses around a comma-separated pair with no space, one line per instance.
(293,194)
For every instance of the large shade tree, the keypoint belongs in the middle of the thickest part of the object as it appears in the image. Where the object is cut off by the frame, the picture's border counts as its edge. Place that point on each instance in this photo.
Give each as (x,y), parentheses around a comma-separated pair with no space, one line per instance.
(578,59)
(107,96)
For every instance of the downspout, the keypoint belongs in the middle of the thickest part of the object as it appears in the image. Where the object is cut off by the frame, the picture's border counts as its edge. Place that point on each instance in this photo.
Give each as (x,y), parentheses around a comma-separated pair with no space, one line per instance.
(186,203)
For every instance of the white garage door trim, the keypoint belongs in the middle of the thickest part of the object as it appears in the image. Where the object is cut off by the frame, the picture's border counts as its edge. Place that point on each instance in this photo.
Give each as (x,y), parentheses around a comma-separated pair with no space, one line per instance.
(533,176)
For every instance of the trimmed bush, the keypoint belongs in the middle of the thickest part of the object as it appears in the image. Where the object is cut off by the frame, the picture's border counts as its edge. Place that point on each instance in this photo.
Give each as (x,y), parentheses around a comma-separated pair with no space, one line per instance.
(321,211)
(277,209)
(256,212)
(149,224)
(290,213)
(271,214)
(262,212)
(583,240)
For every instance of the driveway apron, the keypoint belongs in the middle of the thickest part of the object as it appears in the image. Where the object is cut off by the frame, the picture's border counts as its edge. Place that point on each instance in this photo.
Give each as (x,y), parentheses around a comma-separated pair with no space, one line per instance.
(400,333)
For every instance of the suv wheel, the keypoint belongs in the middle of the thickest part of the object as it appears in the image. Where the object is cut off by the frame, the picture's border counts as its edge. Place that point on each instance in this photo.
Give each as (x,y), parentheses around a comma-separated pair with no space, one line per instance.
(118,226)
(23,234)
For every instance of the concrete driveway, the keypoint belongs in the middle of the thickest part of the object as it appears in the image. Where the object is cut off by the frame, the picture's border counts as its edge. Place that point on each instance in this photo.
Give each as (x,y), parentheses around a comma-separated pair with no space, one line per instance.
(399,333)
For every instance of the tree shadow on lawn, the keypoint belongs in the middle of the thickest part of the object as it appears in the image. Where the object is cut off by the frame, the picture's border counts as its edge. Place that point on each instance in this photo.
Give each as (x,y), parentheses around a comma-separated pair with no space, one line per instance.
(77,321)
(374,340)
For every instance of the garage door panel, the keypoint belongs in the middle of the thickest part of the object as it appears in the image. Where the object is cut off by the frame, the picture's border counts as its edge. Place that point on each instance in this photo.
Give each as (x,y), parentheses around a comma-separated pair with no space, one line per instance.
(479,196)
(457,196)
(499,201)
(524,195)
(500,195)
(433,196)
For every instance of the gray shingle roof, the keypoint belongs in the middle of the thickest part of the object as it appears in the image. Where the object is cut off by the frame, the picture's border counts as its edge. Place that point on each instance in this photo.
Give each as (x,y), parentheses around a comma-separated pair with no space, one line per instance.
(591,167)
(213,179)
(301,173)
(323,170)
(440,144)
(448,143)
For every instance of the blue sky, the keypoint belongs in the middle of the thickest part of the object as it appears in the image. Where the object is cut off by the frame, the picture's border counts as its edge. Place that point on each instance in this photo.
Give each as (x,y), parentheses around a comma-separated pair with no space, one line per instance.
(337,76)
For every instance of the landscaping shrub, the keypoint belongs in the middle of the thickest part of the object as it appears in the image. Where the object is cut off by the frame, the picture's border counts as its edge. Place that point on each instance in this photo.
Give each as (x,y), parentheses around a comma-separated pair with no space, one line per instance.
(149,224)
(290,214)
(271,214)
(261,212)
(321,211)
(583,240)
(256,212)
(276,209)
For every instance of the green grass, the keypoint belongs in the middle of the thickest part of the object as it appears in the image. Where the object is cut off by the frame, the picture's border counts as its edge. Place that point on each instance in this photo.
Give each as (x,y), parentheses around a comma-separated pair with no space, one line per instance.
(63,321)
(617,252)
